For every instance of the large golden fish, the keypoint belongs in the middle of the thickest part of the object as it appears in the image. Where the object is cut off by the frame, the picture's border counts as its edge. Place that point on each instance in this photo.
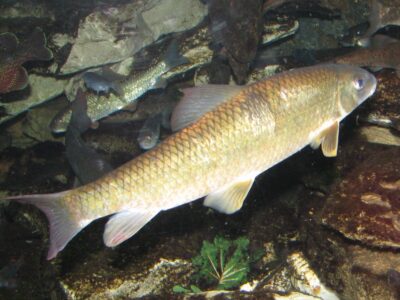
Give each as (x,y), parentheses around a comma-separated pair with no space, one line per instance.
(226,136)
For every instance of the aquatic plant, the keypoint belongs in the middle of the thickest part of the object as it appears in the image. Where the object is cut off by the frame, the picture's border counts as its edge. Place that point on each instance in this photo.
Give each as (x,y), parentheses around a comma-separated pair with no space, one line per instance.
(223,262)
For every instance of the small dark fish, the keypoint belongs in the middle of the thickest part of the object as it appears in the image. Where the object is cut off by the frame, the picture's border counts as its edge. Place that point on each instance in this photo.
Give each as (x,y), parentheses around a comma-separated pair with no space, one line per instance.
(100,83)
(382,121)
(133,86)
(150,132)
(382,53)
(87,164)
(354,34)
(13,76)
(382,15)
(9,272)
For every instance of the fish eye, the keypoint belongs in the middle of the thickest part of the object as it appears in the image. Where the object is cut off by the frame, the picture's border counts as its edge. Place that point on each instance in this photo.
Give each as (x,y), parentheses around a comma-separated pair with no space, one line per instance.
(359,83)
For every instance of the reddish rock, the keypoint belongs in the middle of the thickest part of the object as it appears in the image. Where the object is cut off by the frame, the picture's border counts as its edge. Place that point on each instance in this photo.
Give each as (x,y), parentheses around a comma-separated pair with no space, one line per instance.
(365,205)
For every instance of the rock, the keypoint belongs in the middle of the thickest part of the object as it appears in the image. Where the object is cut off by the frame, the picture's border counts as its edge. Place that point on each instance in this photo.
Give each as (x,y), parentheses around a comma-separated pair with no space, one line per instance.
(37,122)
(36,170)
(195,46)
(355,271)
(236,26)
(384,107)
(5,140)
(202,76)
(261,73)
(118,33)
(305,280)
(318,34)
(61,39)
(295,296)
(18,138)
(379,135)
(147,283)
(173,16)
(219,73)
(41,89)
(364,205)
(274,30)
(6,162)
(26,9)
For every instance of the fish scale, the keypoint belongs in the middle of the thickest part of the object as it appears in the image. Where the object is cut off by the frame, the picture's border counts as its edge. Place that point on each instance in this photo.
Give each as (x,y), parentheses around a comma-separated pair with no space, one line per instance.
(218,155)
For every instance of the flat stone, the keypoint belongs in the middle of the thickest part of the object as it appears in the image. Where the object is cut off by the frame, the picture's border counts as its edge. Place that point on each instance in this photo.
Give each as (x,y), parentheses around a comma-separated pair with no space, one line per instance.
(42,89)
(365,205)
(120,32)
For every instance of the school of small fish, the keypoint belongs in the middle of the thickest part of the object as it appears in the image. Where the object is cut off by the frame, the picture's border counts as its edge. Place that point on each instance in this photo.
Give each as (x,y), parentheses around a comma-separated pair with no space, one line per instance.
(127,91)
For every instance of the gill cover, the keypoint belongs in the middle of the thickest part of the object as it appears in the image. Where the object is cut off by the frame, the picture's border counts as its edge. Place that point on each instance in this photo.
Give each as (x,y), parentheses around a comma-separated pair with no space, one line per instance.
(355,86)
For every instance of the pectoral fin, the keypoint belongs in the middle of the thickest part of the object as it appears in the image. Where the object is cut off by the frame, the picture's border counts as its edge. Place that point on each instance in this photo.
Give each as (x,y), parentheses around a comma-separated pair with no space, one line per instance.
(316,143)
(329,139)
(230,199)
(125,224)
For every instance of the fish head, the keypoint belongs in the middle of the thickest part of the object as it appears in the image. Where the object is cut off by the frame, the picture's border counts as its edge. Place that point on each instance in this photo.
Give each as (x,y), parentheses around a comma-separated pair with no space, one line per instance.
(355,85)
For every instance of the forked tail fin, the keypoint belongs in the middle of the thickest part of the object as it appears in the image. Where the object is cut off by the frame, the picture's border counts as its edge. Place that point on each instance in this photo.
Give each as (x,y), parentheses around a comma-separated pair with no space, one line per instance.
(63,226)
(172,57)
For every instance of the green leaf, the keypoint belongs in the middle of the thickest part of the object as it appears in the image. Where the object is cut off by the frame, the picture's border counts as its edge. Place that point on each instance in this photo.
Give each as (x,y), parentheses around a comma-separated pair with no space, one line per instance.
(180,289)
(195,289)
(257,255)
(224,262)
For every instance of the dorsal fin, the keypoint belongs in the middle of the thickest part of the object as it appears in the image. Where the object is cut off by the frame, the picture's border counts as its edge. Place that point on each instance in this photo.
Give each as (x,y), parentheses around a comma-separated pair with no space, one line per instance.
(199,100)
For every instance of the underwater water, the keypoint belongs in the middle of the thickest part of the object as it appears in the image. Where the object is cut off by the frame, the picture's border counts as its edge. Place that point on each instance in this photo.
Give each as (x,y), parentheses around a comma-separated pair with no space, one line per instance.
(138,108)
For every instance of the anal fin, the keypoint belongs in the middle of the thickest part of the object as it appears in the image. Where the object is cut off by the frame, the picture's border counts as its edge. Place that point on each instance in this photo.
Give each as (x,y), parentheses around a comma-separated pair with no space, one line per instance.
(230,199)
(125,224)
